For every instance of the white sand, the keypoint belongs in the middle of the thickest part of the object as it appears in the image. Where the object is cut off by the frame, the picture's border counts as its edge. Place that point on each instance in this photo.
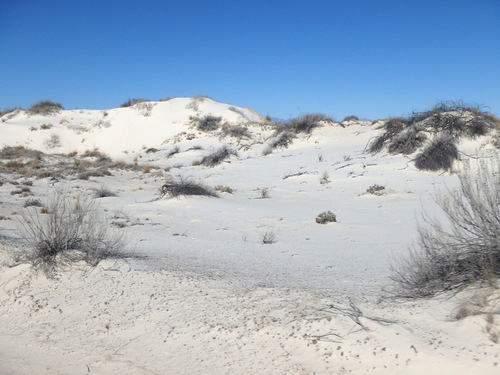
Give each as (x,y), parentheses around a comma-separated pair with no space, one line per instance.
(209,297)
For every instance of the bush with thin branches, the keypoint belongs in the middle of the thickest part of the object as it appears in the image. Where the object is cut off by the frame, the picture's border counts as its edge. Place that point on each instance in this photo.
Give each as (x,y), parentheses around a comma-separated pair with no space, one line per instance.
(309,121)
(455,119)
(217,156)
(208,123)
(466,249)
(134,101)
(439,154)
(70,230)
(185,187)
(44,108)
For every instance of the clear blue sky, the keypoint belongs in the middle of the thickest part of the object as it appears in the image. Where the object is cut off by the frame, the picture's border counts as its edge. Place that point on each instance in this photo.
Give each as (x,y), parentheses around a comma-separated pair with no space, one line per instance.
(372,58)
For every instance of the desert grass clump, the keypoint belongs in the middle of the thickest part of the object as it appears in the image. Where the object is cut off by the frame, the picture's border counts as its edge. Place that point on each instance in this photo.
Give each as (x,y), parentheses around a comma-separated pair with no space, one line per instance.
(350,118)
(32,202)
(269,237)
(44,108)
(208,123)
(453,119)
(439,154)
(282,139)
(376,189)
(70,230)
(217,156)
(134,101)
(236,131)
(104,192)
(185,187)
(392,127)
(465,249)
(306,123)
(406,142)
(326,217)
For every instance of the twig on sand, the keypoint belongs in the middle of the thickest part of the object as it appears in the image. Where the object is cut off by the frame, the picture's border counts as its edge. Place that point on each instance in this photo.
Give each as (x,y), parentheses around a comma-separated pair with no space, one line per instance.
(354,313)
(135,338)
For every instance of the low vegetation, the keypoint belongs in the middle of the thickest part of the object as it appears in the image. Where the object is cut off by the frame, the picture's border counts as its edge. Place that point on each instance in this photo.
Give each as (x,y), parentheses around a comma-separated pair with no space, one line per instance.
(307,122)
(217,156)
(444,125)
(185,187)
(134,101)
(208,123)
(44,108)
(70,230)
(465,249)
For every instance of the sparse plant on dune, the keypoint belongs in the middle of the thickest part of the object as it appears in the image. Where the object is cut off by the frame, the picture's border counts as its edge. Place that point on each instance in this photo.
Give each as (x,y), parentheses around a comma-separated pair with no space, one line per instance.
(70,231)
(104,192)
(350,118)
(447,120)
(185,187)
(326,217)
(463,251)
(237,131)
(208,123)
(44,108)
(439,154)
(134,101)
(217,156)
(307,122)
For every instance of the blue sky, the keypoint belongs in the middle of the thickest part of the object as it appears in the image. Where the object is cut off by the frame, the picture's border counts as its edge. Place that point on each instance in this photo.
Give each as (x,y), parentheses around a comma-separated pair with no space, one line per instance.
(372,58)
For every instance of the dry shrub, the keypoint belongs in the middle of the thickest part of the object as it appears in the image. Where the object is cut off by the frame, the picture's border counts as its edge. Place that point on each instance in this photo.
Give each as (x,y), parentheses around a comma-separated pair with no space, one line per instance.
(466,249)
(69,231)
(185,187)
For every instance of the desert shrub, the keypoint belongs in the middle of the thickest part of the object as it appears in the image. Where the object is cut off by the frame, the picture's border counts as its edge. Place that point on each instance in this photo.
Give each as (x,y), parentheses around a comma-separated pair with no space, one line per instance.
(326,217)
(350,118)
(174,151)
(71,230)
(208,123)
(131,102)
(406,142)
(392,127)
(375,189)
(237,131)
(14,152)
(439,154)
(307,122)
(33,202)
(9,110)
(224,189)
(217,156)
(104,192)
(53,142)
(269,237)
(465,250)
(185,187)
(454,119)
(44,108)
(283,139)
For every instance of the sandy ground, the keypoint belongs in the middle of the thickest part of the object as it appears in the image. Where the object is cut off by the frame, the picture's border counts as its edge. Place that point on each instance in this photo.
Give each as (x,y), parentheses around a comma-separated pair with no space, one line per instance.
(117,319)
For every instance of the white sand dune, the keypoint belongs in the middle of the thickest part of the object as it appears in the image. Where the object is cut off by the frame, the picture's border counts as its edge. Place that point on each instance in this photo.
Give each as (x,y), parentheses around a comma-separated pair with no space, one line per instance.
(205,295)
